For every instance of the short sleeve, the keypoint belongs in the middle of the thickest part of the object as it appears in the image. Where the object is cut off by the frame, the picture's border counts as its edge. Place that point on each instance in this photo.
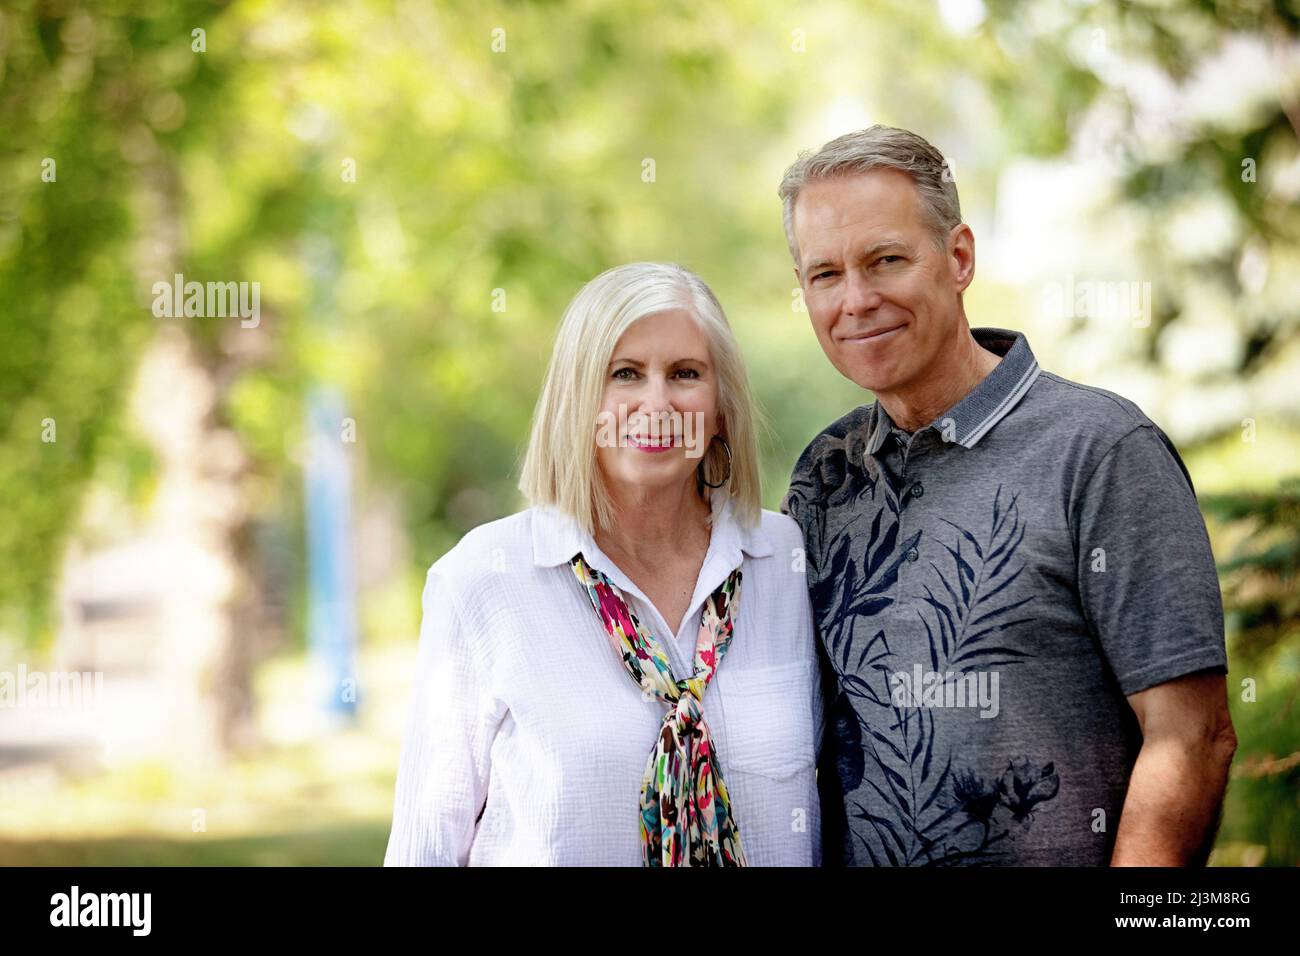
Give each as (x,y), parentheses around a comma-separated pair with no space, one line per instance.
(1146,574)
(444,766)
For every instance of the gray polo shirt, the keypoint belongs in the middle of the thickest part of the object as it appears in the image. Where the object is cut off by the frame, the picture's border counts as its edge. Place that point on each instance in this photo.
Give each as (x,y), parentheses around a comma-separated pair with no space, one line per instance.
(988,590)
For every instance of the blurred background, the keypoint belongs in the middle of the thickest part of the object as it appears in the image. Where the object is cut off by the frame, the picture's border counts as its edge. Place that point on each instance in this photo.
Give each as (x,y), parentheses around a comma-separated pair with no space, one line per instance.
(215,521)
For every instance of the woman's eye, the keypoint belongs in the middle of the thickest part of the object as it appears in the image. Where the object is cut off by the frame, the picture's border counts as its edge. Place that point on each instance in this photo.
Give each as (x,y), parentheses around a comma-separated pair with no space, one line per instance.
(690,372)
(618,373)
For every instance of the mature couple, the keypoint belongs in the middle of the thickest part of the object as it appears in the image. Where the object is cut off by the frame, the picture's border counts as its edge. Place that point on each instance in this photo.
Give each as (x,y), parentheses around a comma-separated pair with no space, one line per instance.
(987,629)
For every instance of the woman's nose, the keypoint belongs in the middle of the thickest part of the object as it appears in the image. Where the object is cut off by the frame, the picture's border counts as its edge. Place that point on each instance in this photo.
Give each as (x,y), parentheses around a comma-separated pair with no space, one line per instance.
(657,396)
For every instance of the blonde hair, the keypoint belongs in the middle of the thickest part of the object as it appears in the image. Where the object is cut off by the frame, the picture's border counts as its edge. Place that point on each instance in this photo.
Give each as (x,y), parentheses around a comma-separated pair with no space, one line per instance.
(560,465)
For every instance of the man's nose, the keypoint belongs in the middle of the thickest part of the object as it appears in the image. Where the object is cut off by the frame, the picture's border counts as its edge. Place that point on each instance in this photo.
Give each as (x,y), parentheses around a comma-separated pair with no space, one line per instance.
(861,298)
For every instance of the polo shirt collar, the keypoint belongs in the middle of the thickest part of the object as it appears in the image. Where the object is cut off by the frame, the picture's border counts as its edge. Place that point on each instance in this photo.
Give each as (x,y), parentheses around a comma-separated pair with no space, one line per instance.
(881,431)
(988,402)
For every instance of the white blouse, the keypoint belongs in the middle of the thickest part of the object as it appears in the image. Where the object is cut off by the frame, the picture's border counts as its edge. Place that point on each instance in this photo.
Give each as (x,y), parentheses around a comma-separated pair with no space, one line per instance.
(528,739)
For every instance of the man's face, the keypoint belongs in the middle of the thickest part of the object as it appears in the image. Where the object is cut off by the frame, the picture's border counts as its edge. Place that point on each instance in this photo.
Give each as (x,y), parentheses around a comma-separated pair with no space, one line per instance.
(882,296)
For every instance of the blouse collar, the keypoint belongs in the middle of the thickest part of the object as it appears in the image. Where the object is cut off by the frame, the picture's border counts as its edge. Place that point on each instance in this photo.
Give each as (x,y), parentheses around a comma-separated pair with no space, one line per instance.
(557,537)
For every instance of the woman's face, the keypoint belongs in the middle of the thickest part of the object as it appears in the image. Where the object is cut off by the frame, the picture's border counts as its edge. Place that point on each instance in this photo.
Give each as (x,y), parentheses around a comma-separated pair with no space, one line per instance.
(658,411)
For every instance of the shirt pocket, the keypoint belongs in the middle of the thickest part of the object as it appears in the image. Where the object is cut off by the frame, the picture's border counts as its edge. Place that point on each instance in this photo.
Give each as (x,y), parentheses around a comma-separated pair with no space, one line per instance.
(768,720)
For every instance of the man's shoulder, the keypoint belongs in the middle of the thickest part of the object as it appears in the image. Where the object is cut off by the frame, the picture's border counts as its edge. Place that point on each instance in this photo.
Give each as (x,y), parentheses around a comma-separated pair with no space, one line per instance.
(832,439)
(1096,421)
(831,465)
(1086,410)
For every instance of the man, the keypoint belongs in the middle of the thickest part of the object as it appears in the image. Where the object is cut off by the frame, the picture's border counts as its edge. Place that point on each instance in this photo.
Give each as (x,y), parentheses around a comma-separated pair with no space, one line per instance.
(1015,592)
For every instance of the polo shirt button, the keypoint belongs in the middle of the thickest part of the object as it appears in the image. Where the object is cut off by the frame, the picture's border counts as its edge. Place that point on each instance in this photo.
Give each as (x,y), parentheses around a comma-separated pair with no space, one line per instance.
(918,490)
(913,554)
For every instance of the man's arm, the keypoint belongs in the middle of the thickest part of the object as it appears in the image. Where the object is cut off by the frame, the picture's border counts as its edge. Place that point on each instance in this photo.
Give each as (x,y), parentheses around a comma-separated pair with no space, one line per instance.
(1149,587)
(1175,794)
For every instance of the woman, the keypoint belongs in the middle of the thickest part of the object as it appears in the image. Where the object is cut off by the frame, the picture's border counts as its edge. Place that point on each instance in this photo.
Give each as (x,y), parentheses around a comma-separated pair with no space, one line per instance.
(624,673)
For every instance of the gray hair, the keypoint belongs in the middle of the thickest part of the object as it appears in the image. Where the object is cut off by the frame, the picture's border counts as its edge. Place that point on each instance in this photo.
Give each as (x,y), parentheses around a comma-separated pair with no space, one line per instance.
(874,148)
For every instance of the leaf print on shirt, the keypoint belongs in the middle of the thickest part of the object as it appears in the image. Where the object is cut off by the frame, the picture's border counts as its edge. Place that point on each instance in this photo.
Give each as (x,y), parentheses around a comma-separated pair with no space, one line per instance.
(1020,788)
(1023,786)
(844,585)
(914,809)
(968,607)
(859,585)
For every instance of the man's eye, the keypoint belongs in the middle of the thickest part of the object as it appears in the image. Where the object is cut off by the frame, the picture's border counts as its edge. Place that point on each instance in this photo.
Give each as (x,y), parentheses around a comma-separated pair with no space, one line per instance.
(889,259)
(821,275)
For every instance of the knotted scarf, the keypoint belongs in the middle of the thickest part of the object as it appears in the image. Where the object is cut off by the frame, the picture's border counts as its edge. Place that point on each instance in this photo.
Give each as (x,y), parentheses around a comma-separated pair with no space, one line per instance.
(686,815)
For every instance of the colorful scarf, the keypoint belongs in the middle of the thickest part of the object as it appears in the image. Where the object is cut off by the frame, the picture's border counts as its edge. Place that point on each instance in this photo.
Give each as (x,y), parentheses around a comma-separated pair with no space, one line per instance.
(686,815)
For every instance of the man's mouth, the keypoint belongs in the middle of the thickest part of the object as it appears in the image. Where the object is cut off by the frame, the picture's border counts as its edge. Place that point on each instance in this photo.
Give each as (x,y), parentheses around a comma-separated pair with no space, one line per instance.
(873,336)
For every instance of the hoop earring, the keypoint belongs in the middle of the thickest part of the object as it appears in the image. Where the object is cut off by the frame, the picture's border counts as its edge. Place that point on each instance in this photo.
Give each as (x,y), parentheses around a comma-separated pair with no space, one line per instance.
(727,448)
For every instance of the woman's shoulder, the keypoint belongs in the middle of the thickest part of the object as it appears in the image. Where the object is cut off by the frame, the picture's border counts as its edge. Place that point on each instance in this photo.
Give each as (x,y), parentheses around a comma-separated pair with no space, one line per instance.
(780,584)
(500,546)
(776,551)
(781,531)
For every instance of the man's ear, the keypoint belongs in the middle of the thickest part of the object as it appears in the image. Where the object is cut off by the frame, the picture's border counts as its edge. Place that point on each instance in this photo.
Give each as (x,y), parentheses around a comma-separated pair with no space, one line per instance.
(798,278)
(961,254)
